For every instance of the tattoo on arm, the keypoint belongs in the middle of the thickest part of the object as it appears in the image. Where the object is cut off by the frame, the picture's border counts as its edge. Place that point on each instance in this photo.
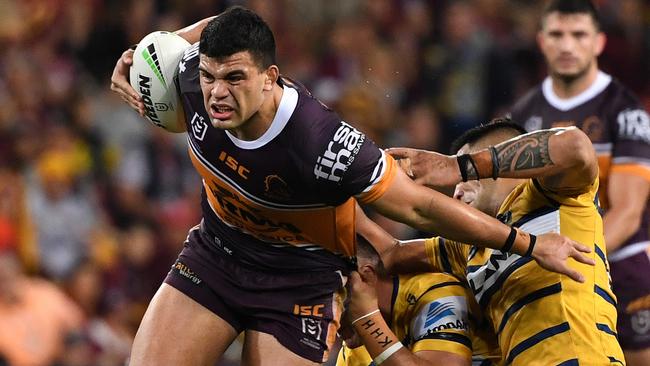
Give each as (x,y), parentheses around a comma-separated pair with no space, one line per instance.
(528,152)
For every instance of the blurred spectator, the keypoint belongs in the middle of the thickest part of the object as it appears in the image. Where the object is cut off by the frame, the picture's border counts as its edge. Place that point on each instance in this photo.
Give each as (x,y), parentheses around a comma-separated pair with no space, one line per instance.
(138,271)
(35,314)
(62,214)
(150,176)
(111,332)
(627,54)
(463,71)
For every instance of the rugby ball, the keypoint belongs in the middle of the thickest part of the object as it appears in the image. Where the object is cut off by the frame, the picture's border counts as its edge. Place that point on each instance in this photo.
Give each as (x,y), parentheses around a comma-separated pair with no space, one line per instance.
(152,75)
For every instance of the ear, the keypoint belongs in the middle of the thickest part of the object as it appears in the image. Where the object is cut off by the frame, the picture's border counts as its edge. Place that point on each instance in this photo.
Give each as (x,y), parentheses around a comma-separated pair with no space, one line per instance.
(272,75)
(368,273)
(601,40)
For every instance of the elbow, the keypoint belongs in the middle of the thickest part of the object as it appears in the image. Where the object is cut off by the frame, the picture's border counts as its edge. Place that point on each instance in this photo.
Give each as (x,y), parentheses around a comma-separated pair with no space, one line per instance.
(580,154)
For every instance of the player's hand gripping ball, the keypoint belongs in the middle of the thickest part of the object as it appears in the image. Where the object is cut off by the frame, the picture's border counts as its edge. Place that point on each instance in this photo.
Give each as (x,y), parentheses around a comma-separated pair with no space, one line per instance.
(153,75)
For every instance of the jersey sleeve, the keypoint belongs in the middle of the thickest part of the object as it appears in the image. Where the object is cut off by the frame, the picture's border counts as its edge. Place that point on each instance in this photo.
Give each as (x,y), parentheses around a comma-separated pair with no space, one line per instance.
(349,164)
(447,256)
(631,138)
(441,321)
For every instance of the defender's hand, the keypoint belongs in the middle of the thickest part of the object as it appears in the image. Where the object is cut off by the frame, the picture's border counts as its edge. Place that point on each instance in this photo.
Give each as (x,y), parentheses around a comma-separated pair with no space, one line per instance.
(120,82)
(553,250)
(427,167)
(363,297)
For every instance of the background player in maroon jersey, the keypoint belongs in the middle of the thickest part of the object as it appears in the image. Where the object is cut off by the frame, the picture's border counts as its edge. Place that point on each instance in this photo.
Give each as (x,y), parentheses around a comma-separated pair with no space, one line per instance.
(273,125)
(577,93)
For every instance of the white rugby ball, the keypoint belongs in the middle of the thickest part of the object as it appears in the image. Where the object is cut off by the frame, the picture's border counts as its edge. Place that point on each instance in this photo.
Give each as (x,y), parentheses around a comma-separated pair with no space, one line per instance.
(154,68)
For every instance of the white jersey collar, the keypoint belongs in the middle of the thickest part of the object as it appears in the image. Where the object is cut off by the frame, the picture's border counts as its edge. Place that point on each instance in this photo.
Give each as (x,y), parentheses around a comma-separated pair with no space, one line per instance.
(287,105)
(601,82)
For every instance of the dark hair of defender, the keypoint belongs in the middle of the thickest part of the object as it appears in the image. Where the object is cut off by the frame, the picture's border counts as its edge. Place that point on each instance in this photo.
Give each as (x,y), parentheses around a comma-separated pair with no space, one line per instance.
(472,135)
(566,7)
(238,29)
(366,251)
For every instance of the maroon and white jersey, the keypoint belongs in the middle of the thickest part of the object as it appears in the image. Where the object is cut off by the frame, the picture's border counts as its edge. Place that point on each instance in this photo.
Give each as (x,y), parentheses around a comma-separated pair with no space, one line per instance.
(616,123)
(286,200)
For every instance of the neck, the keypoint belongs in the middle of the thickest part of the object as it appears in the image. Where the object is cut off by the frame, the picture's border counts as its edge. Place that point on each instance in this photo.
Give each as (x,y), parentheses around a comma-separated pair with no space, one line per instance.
(385,296)
(261,121)
(566,88)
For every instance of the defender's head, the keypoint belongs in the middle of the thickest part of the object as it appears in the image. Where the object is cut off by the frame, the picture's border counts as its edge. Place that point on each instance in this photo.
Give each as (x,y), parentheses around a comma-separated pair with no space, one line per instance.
(485,195)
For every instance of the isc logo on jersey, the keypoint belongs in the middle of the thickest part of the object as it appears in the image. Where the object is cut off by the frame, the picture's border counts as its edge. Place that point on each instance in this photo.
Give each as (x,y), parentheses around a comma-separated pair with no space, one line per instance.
(341,152)
(443,314)
(152,75)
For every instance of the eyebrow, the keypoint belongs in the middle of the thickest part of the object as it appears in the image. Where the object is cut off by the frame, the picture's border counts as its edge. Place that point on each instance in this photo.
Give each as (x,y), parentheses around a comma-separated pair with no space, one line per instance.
(204,70)
(232,73)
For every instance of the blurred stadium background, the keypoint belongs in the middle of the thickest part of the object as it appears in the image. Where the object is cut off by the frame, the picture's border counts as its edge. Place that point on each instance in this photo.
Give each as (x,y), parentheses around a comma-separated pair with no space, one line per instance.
(96,203)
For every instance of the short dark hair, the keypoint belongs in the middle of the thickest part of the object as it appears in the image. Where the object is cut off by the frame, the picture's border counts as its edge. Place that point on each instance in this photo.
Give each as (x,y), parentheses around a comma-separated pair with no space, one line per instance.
(572,7)
(238,29)
(472,135)
(367,251)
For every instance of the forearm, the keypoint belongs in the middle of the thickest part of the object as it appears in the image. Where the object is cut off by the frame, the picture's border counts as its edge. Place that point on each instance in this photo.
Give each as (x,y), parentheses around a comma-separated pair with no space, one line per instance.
(407,257)
(432,211)
(462,223)
(563,157)
(192,33)
(619,225)
(382,344)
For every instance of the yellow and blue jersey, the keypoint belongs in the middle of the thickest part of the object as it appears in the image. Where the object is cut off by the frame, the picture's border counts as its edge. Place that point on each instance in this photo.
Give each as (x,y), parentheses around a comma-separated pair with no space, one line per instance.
(430,312)
(542,317)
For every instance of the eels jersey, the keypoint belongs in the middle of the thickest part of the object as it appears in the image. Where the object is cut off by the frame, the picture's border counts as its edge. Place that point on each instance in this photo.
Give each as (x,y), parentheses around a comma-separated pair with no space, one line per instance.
(541,317)
(617,125)
(286,200)
(431,312)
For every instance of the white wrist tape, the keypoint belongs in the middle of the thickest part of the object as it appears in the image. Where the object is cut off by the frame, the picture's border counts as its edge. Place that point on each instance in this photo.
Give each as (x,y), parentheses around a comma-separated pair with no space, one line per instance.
(387,353)
(363,316)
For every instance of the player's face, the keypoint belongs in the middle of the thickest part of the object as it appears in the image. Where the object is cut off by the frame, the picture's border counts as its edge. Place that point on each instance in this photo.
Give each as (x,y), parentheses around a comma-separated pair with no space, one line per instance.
(570,43)
(234,89)
(479,194)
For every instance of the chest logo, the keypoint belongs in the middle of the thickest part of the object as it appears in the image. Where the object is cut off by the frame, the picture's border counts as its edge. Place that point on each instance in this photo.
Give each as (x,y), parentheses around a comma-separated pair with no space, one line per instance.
(233,164)
(199,127)
(276,188)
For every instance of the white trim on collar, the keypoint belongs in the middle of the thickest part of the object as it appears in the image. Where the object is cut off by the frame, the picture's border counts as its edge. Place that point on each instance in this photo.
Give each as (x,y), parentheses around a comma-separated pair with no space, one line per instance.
(601,82)
(287,105)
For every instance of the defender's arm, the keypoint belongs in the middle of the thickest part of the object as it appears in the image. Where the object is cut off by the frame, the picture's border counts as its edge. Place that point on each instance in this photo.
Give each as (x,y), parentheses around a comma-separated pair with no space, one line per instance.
(431,211)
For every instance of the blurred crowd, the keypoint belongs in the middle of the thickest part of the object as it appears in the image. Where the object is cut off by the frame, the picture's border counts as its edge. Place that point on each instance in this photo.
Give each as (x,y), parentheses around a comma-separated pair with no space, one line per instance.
(95,203)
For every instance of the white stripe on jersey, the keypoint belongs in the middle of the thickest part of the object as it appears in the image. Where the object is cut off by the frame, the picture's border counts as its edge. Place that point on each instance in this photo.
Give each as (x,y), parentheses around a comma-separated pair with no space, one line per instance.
(547,223)
(628,251)
(490,273)
(601,82)
(378,172)
(631,160)
(603,148)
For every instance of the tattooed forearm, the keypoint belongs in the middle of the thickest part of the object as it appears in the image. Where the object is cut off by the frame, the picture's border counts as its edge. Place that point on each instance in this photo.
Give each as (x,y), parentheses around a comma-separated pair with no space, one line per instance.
(527,152)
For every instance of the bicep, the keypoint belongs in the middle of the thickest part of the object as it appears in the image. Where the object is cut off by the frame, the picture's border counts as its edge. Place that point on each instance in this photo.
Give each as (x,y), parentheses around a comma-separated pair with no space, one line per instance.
(379,238)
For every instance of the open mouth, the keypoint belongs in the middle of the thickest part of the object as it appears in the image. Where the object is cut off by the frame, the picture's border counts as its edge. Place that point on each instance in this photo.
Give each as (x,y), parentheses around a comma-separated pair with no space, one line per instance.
(221,111)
